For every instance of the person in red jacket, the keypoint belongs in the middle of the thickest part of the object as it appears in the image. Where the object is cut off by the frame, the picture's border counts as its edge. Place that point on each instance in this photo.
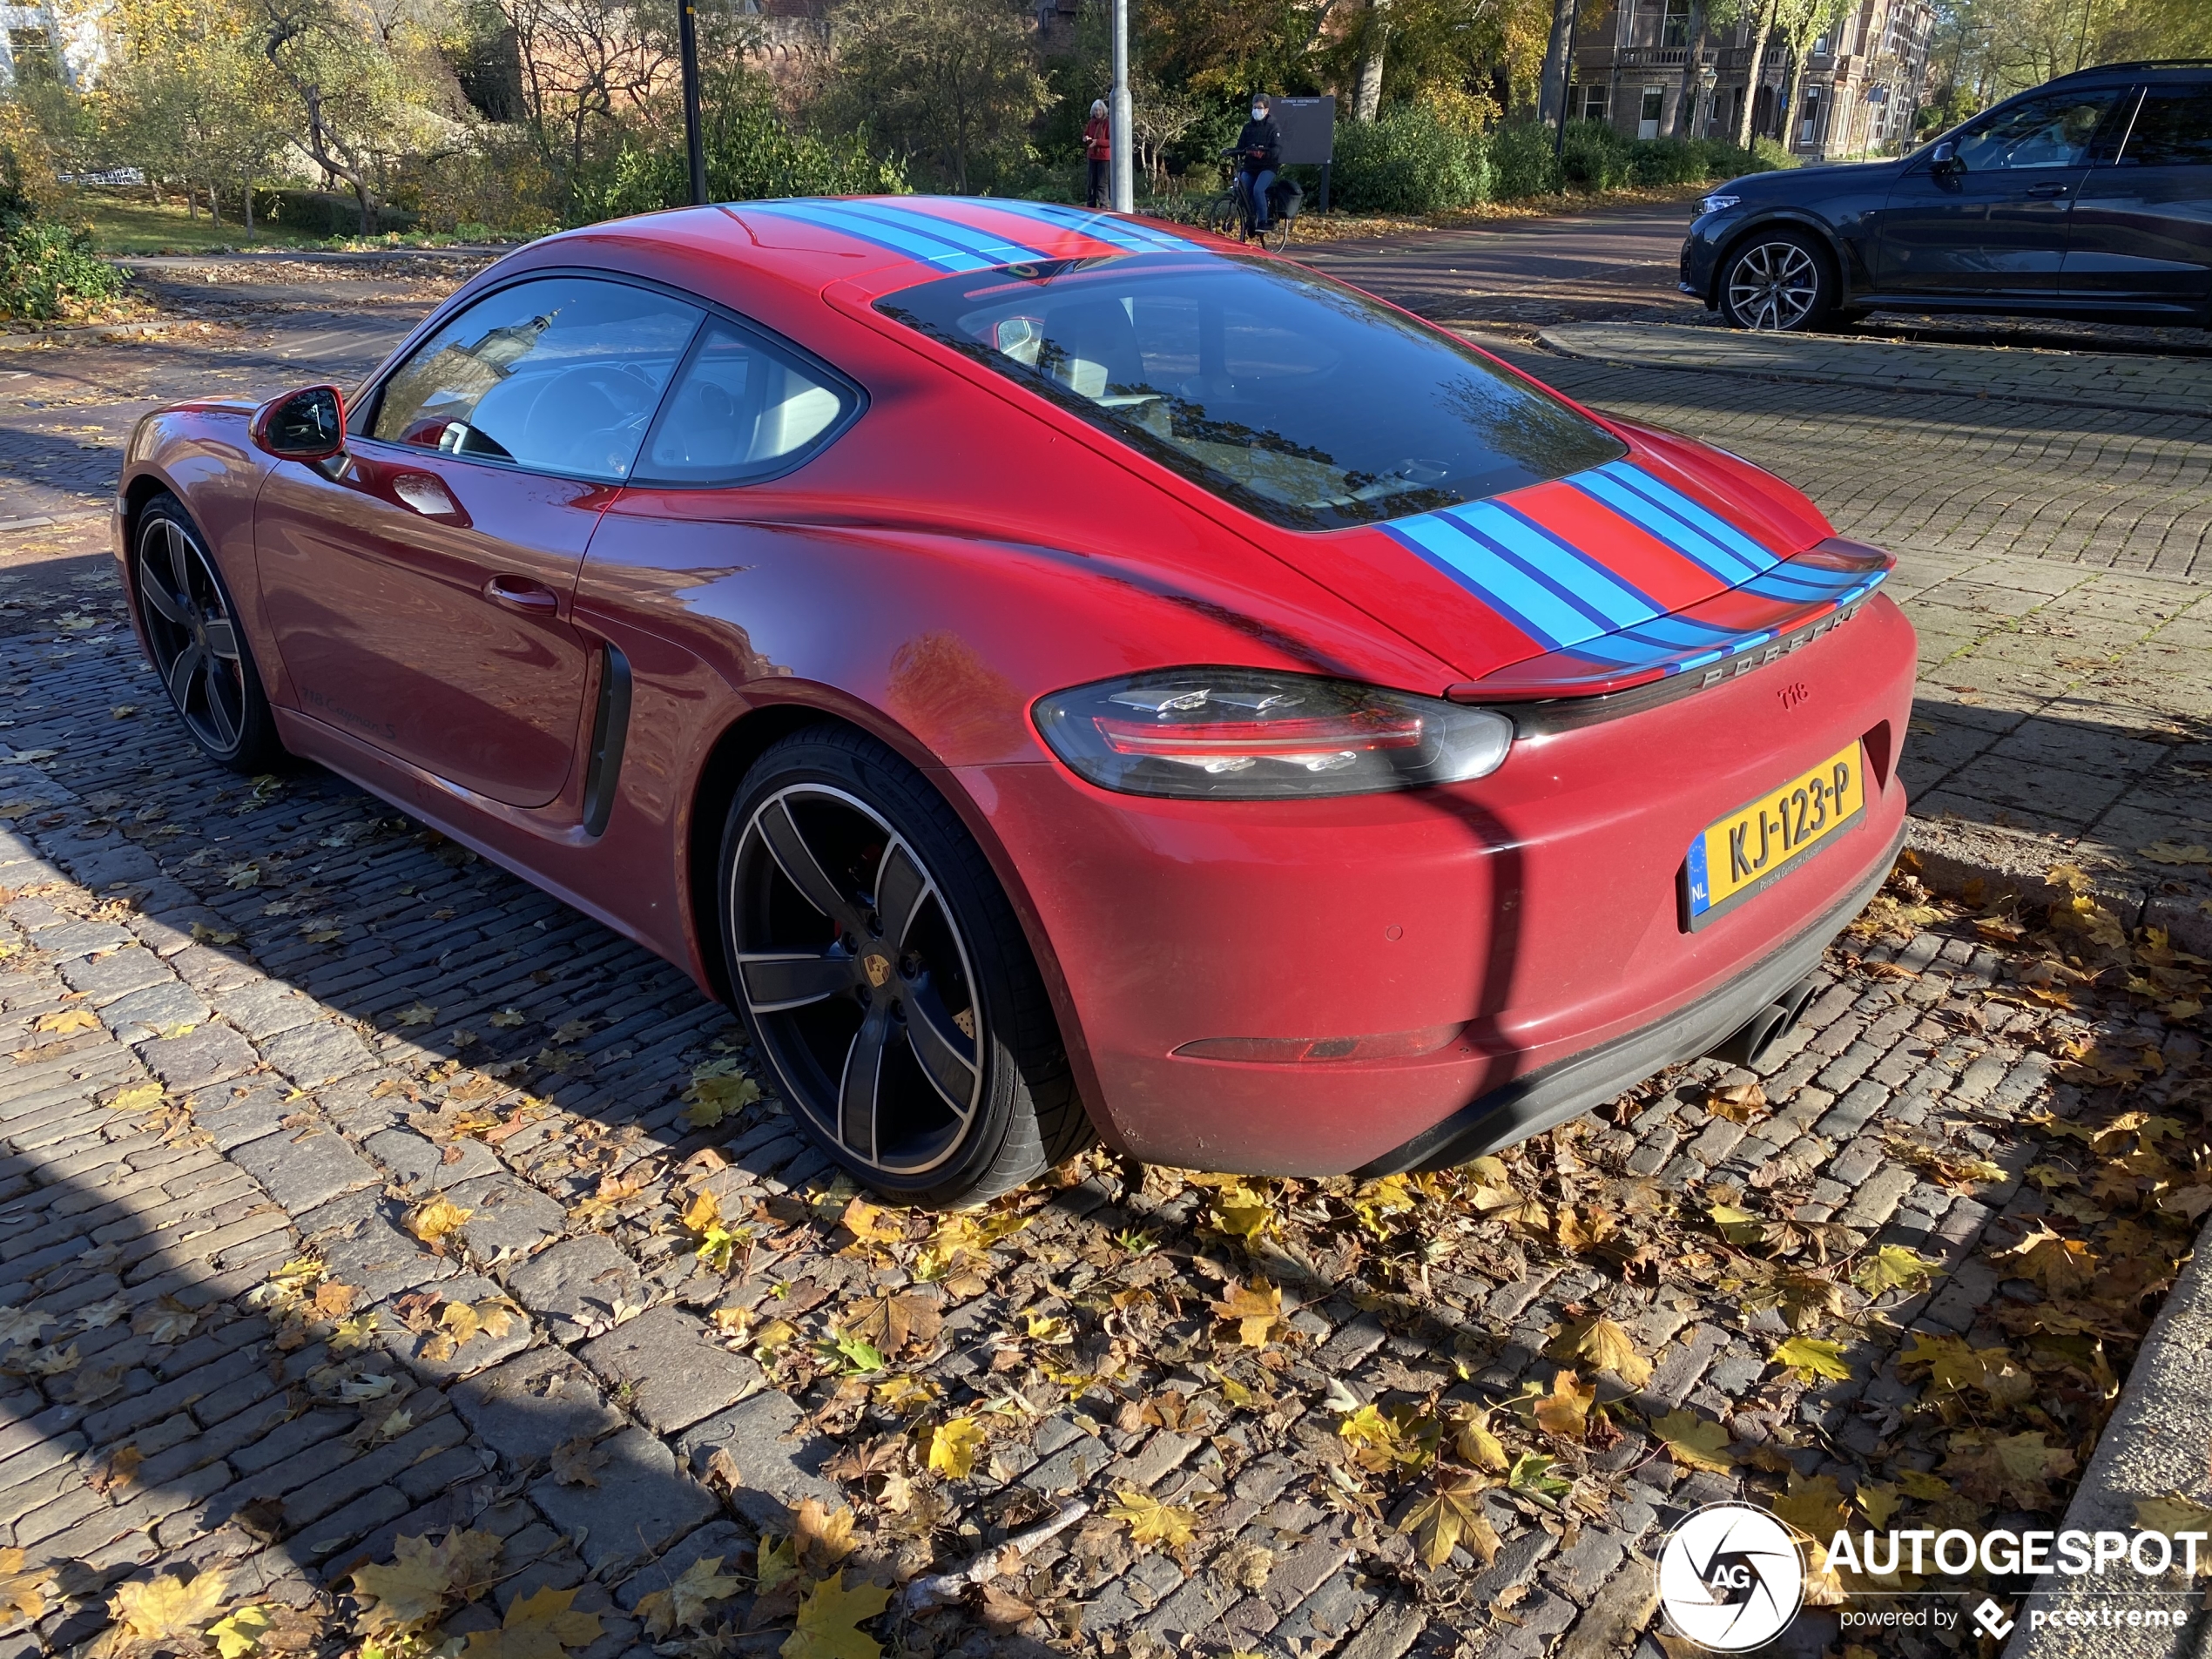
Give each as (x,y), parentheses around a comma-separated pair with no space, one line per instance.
(1098,151)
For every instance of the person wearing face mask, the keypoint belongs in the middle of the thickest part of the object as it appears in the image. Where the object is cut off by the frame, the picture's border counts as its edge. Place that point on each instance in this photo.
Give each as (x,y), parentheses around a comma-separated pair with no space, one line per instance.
(1098,151)
(1259,155)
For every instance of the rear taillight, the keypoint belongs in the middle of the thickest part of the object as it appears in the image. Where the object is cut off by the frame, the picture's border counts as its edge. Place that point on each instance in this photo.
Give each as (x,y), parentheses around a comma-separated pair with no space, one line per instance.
(1246,734)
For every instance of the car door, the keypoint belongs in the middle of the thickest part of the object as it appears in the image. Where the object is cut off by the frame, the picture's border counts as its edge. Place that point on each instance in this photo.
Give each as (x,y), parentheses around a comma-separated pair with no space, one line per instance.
(1990,222)
(2142,229)
(419,585)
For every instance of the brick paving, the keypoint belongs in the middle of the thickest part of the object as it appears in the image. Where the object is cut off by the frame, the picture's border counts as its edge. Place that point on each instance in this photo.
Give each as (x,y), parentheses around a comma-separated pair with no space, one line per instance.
(324,994)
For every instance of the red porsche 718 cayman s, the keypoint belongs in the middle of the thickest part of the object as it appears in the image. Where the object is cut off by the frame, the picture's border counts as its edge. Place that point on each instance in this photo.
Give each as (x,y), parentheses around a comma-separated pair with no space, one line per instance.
(1057,674)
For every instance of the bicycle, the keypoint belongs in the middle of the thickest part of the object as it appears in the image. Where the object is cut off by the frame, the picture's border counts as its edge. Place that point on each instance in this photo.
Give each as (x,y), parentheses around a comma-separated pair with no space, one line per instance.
(1230,213)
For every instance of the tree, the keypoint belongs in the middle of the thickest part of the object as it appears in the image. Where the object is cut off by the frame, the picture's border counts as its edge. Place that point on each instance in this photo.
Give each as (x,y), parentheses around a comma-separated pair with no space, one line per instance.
(1800,23)
(952,83)
(589,70)
(332,63)
(193,100)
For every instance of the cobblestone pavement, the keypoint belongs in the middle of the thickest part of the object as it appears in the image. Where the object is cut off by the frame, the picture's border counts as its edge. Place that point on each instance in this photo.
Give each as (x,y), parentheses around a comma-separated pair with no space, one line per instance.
(261,1029)
(2169,384)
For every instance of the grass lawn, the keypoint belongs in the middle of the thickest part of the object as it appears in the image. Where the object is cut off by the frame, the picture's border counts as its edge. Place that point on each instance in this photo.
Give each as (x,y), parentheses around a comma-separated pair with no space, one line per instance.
(124,224)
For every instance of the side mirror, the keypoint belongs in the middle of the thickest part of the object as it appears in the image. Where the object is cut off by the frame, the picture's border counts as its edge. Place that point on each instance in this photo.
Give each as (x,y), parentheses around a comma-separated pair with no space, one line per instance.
(1945,162)
(306,425)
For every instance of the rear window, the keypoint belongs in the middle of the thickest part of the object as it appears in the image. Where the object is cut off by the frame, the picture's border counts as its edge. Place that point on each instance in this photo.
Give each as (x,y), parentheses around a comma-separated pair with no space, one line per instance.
(1297,399)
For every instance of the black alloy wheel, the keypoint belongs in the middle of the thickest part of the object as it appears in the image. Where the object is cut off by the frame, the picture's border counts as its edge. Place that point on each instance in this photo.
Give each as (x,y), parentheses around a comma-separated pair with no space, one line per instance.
(1777,282)
(885,978)
(193,634)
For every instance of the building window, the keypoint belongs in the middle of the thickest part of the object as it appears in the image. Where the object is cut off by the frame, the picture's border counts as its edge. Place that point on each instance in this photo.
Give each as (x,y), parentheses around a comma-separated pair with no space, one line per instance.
(34,55)
(1809,117)
(1593,102)
(1655,100)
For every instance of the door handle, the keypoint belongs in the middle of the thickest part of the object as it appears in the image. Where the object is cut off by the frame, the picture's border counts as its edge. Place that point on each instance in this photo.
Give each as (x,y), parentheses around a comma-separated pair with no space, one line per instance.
(520,593)
(2045,192)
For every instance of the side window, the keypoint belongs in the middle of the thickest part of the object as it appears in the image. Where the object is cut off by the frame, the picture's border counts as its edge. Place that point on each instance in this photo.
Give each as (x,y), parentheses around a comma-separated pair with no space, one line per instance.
(559,374)
(2053,131)
(2172,128)
(739,407)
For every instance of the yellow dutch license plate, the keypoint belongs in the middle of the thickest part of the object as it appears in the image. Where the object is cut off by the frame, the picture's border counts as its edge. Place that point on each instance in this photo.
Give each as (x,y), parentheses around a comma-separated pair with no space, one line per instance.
(1763,841)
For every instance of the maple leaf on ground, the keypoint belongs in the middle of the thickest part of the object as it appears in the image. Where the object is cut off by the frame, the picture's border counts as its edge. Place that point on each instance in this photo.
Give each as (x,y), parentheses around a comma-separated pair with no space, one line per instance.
(2012,1469)
(827,1619)
(1607,1346)
(238,1634)
(823,1537)
(543,1626)
(1257,1306)
(1472,1440)
(20,1324)
(1739,1103)
(22,1594)
(61,1022)
(1809,1358)
(715,1094)
(1241,1212)
(891,1321)
(432,1222)
(1892,1267)
(1694,1442)
(576,1463)
(1814,1507)
(421,1578)
(2061,1266)
(1954,1365)
(1566,1411)
(871,1224)
(2170,1514)
(1150,1522)
(686,1604)
(167,1610)
(954,1445)
(1449,1516)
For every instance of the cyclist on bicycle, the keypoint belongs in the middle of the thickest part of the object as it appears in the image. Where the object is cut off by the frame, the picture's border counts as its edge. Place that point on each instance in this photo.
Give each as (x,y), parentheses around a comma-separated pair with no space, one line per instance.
(1259,156)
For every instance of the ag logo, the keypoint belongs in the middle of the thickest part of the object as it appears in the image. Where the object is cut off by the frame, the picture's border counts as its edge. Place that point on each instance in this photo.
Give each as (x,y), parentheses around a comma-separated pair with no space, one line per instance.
(1730,1577)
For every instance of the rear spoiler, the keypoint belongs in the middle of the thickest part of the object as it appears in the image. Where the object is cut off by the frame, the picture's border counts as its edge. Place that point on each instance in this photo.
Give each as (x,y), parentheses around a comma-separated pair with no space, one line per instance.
(1775,612)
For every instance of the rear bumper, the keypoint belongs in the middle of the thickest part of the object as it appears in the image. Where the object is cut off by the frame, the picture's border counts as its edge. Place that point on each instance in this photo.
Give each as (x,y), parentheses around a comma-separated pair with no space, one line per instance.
(1305,988)
(1568,1088)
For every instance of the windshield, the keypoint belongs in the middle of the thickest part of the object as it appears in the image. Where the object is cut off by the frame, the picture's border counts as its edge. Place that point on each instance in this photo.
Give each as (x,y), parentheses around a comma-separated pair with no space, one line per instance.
(1295,398)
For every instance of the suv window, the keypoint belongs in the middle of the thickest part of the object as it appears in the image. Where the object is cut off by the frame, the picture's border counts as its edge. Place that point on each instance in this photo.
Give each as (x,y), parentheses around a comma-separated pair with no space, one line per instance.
(2172,129)
(557,375)
(739,408)
(2052,130)
(1300,401)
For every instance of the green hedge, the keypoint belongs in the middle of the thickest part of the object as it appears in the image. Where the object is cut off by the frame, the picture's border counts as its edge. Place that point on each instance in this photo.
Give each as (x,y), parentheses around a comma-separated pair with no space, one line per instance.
(46,269)
(1594,157)
(1408,161)
(323,212)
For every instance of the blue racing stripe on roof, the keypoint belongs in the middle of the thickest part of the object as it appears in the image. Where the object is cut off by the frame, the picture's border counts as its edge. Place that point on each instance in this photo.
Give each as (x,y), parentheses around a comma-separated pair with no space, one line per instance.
(919,236)
(1673,517)
(1529,604)
(984,244)
(946,256)
(1612,596)
(1100,227)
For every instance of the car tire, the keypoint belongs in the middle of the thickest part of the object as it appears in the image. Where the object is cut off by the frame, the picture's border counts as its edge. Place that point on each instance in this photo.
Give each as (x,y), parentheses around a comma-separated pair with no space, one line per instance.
(1776,281)
(195,641)
(885,979)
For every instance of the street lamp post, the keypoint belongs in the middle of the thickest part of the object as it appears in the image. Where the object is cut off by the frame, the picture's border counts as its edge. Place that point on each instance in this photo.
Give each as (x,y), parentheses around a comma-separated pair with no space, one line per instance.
(687,48)
(1120,118)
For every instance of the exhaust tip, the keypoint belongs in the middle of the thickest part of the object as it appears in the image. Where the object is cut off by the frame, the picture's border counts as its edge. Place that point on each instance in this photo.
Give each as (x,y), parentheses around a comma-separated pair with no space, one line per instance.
(1749,1043)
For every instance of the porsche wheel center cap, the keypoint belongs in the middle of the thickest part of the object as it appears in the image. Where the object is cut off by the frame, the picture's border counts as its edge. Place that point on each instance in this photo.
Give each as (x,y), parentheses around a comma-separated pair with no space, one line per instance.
(877,968)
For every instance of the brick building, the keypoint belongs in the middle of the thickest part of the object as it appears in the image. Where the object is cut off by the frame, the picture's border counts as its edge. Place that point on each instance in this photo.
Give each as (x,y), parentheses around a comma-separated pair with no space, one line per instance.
(1634,62)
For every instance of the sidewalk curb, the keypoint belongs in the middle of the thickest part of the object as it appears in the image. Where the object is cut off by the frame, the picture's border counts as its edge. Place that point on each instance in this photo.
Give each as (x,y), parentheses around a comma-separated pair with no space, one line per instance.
(93,333)
(1953,857)
(2154,1442)
(1549,339)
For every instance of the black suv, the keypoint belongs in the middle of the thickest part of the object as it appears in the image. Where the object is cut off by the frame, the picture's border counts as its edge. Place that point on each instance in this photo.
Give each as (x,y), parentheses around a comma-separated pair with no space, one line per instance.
(2089,197)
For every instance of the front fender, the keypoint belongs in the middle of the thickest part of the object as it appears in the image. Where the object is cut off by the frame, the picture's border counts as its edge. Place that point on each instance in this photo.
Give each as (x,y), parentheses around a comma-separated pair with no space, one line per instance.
(201,453)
